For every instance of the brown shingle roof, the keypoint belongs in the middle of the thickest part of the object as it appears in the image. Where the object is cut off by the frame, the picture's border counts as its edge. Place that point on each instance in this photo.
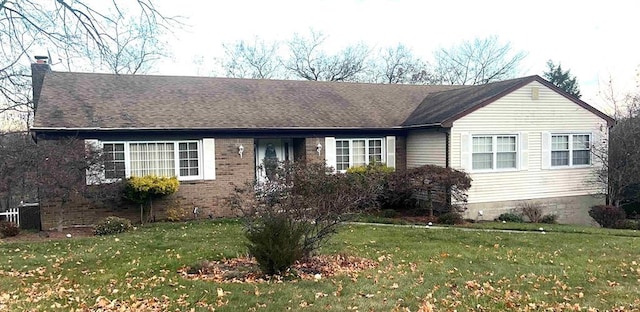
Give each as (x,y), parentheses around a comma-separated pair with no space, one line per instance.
(87,100)
(443,108)
(106,101)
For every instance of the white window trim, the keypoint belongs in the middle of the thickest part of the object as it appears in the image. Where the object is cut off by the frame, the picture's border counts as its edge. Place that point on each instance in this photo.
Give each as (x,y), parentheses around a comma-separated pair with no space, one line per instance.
(176,151)
(570,134)
(383,151)
(494,149)
(103,173)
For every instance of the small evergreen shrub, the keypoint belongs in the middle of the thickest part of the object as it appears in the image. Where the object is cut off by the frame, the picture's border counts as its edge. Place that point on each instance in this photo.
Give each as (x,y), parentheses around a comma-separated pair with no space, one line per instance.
(510,217)
(389,213)
(177,213)
(632,210)
(113,225)
(451,218)
(276,243)
(628,224)
(313,199)
(531,210)
(549,219)
(607,216)
(371,168)
(8,229)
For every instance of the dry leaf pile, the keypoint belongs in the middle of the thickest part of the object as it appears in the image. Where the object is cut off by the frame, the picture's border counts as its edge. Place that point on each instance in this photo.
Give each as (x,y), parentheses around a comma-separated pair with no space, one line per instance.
(245,270)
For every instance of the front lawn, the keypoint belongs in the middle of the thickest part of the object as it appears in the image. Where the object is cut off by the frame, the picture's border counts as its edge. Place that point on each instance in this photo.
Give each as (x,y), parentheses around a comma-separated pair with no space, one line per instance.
(444,269)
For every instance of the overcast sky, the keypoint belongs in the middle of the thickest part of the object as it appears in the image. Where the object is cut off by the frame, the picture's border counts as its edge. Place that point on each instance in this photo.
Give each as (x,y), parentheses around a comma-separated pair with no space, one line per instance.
(594,39)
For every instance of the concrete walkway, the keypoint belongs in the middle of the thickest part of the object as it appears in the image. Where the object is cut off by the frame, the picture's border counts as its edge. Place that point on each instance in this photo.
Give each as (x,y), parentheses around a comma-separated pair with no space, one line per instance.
(435,227)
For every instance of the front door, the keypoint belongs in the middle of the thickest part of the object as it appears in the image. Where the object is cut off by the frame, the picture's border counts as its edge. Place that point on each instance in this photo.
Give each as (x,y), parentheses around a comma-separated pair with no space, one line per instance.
(270,152)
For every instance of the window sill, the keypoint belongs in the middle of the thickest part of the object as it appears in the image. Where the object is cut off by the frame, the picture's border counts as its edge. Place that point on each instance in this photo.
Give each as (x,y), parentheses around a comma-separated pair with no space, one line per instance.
(195,181)
(570,167)
(495,170)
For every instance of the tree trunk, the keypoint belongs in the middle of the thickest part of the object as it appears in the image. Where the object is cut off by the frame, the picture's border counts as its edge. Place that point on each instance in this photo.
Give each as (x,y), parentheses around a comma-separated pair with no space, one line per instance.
(141,213)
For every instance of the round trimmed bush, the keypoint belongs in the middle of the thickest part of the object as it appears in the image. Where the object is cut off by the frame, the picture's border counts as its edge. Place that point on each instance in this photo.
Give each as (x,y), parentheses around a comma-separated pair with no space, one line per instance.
(389,213)
(608,216)
(510,217)
(113,225)
(549,219)
(451,218)
(628,224)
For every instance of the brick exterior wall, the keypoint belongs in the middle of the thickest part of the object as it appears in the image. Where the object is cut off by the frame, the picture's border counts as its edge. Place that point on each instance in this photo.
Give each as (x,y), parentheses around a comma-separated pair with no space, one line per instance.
(231,170)
(311,145)
(208,196)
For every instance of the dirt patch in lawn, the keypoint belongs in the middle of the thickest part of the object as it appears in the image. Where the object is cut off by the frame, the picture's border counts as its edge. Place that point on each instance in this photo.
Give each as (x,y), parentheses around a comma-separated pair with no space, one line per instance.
(32,236)
(245,270)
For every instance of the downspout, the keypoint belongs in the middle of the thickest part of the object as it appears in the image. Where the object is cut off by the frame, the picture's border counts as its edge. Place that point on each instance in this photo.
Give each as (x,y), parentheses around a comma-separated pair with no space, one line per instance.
(447,149)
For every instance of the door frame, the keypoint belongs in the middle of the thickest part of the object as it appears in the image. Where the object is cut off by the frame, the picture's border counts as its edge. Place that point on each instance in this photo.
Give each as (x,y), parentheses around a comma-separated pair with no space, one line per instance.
(283,149)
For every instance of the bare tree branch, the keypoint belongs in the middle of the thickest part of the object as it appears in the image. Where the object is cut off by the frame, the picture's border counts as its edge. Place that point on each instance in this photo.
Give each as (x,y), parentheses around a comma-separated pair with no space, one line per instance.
(257,60)
(399,65)
(306,59)
(101,35)
(477,62)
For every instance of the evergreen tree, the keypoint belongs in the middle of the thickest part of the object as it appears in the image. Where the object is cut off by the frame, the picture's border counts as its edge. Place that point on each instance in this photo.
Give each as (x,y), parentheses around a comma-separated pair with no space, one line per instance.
(562,79)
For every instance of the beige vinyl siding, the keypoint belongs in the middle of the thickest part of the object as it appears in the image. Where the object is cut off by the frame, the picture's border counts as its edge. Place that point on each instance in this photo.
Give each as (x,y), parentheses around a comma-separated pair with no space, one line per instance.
(426,147)
(517,113)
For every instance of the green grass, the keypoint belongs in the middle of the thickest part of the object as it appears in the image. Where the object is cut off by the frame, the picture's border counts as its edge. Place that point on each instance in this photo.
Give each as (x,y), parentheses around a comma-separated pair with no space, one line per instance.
(560,228)
(450,268)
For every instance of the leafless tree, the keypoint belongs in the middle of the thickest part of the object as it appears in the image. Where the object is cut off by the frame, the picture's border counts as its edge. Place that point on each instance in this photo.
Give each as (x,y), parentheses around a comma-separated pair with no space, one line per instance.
(623,105)
(309,61)
(68,171)
(54,172)
(17,169)
(477,62)
(399,65)
(73,29)
(134,49)
(257,60)
(619,174)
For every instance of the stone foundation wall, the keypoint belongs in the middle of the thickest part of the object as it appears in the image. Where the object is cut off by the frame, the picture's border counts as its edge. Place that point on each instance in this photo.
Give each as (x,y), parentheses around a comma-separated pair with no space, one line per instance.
(569,209)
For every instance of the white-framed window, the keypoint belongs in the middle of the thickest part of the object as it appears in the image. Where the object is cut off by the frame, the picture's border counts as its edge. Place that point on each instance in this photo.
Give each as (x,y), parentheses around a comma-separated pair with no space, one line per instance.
(114,166)
(494,152)
(358,152)
(569,150)
(182,159)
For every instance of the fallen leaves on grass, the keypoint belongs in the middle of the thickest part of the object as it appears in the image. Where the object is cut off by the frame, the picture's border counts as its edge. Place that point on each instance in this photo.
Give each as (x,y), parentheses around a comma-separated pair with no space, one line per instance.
(245,270)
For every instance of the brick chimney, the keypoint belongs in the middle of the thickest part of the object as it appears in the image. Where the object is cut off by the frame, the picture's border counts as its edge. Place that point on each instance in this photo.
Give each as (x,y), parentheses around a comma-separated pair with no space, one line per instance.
(38,71)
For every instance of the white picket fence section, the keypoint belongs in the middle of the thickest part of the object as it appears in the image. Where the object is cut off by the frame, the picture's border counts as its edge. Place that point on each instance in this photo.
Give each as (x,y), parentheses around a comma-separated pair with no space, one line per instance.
(11,215)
